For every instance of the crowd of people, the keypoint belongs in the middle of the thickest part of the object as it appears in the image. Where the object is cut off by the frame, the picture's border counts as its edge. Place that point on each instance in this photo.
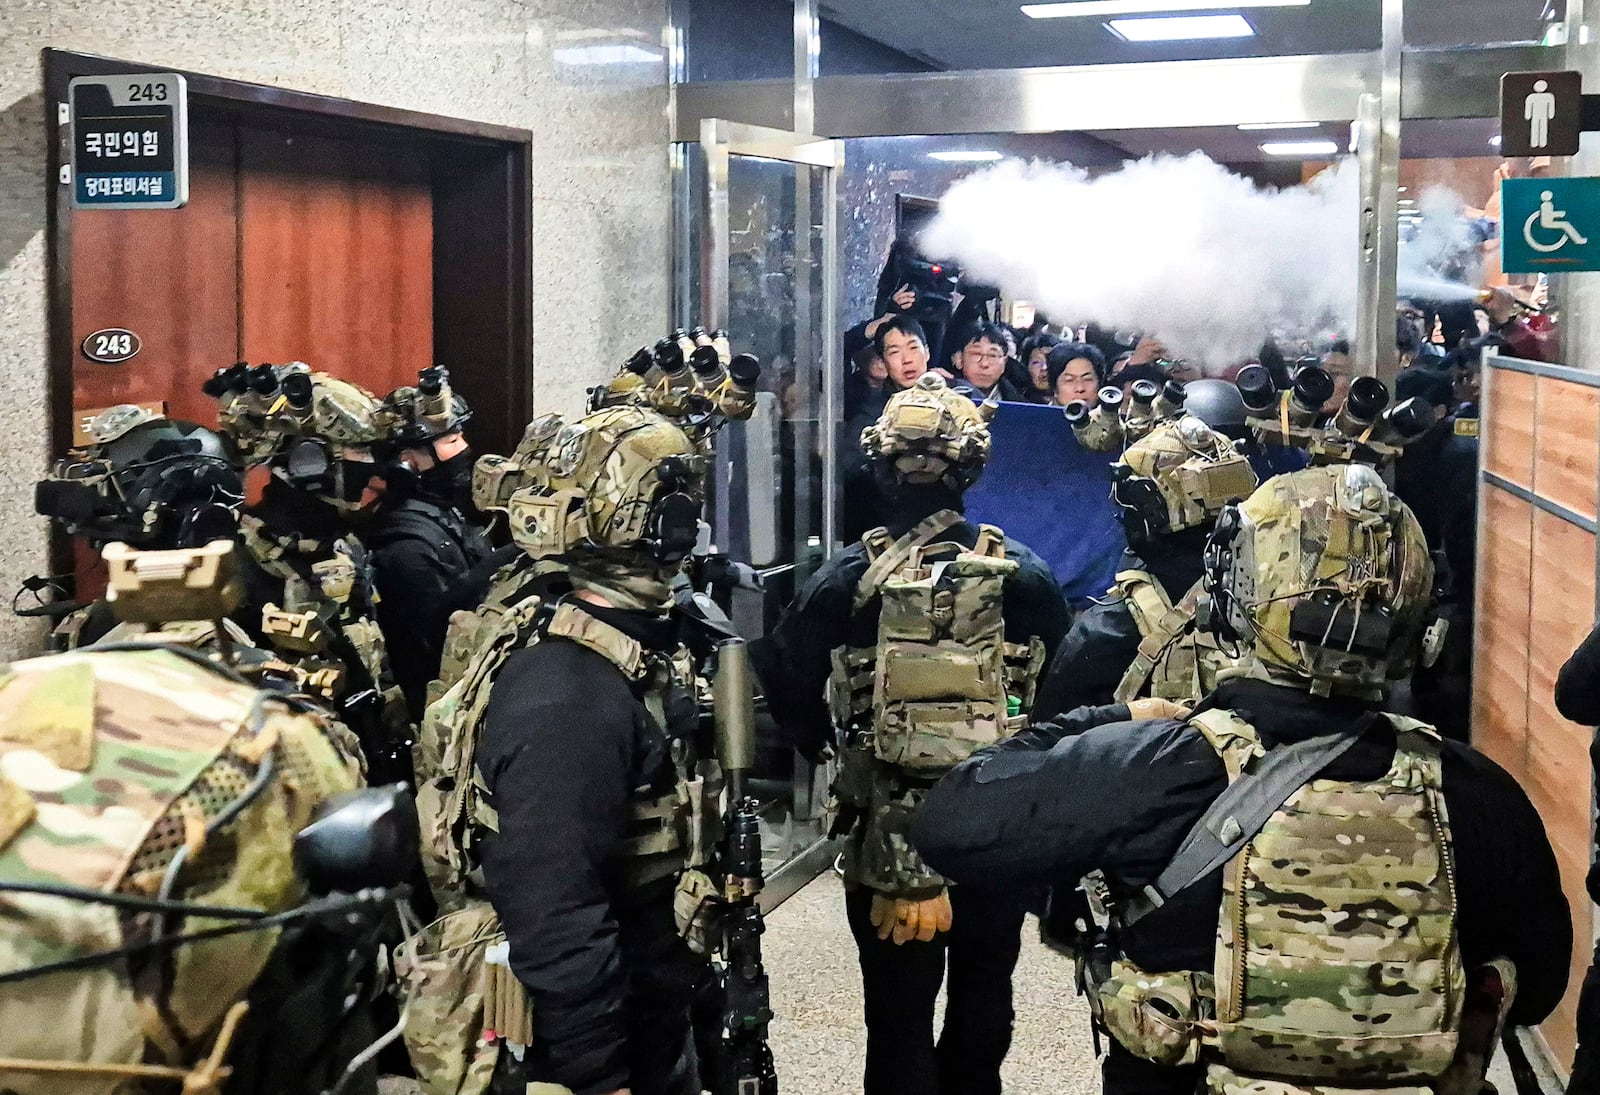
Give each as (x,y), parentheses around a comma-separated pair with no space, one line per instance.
(1235,789)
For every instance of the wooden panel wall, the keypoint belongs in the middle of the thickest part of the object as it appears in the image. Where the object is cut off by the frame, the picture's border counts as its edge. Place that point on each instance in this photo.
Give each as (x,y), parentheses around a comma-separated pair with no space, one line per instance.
(1557,776)
(336,256)
(1505,574)
(170,276)
(1536,602)
(1566,456)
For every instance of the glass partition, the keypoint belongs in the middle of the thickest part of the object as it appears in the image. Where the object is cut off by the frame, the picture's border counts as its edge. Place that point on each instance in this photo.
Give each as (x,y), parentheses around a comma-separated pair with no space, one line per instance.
(757,251)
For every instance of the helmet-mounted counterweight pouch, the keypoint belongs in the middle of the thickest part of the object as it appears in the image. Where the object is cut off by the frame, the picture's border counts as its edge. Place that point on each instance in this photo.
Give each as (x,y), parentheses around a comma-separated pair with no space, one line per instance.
(1178,476)
(930,434)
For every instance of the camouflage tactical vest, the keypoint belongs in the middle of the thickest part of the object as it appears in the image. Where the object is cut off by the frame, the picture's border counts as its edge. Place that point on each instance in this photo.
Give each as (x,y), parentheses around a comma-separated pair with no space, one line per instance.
(940,683)
(469,630)
(1337,963)
(1177,659)
(456,972)
(322,611)
(110,762)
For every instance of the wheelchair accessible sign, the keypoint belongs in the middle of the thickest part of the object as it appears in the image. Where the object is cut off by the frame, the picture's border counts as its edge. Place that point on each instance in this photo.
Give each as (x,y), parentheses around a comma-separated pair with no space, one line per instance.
(1549,225)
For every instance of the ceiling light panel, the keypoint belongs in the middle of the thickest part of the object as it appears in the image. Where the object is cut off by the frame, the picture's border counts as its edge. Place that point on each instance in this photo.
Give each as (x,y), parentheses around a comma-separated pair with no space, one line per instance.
(1307,150)
(1181,28)
(1103,8)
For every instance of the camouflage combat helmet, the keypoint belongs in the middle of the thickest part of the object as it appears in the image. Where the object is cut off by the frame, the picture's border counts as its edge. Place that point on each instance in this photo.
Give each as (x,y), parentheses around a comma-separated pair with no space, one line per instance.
(415,416)
(929,434)
(1326,575)
(305,425)
(621,484)
(1178,476)
(265,409)
(146,480)
(127,775)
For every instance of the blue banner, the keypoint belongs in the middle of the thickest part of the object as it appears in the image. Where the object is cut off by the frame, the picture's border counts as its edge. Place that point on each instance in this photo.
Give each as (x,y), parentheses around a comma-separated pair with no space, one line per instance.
(1045,490)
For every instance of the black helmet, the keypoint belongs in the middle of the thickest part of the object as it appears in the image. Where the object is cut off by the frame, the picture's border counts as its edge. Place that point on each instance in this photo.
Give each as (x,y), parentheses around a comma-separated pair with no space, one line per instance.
(414,416)
(1216,403)
(146,480)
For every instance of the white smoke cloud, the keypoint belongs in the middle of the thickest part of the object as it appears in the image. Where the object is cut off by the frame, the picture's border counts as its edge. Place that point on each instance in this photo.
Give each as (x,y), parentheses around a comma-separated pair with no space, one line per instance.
(1178,247)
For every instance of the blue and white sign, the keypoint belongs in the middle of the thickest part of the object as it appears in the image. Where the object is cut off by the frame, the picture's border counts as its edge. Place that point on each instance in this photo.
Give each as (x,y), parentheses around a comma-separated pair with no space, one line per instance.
(1549,225)
(130,141)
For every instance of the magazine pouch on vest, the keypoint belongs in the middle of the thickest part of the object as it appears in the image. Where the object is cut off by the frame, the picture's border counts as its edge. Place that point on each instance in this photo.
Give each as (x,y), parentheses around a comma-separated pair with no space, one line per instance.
(939,690)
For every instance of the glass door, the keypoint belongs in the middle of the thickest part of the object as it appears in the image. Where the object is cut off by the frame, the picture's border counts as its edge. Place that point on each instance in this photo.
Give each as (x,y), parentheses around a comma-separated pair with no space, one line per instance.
(757,254)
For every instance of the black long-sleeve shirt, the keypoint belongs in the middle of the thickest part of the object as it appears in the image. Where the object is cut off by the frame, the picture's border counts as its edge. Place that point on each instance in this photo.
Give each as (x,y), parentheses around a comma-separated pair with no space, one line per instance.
(424,560)
(1578,699)
(1104,639)
(795,660)
(565,746)
(1050,806)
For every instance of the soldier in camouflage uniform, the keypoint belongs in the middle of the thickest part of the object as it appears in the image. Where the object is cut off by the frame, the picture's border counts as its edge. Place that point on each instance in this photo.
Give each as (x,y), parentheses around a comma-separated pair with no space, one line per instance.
(309,594)
(160,821)
(429,558)
(906,652)
(1296,886)
(1141,640)
(566,799)
(144,480)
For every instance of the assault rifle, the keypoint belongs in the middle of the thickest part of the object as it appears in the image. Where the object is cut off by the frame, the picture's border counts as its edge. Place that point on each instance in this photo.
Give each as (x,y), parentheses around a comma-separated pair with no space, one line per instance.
(745,1066)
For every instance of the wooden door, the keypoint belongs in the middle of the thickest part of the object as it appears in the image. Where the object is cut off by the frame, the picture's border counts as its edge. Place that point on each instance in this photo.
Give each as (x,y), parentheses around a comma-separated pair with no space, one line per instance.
(336,256)
(171,277)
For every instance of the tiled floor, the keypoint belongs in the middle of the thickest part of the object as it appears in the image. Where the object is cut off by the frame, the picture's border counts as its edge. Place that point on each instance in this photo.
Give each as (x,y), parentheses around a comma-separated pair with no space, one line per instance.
(818,1038)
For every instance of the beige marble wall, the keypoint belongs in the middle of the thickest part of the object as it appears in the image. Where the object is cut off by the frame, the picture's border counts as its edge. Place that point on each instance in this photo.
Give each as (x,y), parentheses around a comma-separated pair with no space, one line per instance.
(600,184)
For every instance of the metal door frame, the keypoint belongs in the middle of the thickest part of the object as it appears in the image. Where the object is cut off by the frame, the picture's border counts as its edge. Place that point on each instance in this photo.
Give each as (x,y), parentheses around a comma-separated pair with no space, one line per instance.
(720,140)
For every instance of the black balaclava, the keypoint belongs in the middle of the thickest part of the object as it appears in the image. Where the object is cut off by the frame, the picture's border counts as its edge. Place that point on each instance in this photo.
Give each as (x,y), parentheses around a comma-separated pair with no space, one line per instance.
(905,504)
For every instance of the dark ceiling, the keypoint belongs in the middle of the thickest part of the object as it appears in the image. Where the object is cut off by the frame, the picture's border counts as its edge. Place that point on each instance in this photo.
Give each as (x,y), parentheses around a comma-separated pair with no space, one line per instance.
(974,34)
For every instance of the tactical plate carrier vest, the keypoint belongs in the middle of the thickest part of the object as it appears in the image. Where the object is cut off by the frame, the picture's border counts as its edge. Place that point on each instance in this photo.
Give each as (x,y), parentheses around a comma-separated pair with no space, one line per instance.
(324,607)
(1337,965)
(940,683)
(1177,659)
(456,972)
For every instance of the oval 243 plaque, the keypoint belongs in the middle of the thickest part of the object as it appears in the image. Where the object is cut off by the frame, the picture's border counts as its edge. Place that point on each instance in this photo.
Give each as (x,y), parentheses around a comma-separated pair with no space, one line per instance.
(112,346)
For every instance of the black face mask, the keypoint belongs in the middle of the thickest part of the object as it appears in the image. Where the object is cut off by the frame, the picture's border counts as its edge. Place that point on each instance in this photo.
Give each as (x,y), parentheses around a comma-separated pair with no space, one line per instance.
(450,480)
(353,481)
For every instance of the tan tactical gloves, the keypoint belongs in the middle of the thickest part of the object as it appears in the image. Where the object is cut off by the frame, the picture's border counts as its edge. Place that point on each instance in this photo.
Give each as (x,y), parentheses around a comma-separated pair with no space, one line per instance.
(906,919)
(1152,708)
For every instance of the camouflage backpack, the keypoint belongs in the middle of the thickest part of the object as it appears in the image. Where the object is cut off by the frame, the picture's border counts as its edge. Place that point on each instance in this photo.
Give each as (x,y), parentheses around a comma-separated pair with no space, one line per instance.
(1177,659)
(117,772)
(940,683)
(464,1003)
(1337,962)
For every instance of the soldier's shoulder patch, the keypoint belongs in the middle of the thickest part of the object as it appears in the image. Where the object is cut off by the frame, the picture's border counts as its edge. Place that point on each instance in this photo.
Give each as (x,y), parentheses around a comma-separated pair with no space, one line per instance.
(1467,427)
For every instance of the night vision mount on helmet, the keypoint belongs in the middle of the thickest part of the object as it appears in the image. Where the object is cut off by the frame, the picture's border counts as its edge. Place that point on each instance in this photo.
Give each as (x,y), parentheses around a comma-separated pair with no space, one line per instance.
(314,430)
(415,416)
